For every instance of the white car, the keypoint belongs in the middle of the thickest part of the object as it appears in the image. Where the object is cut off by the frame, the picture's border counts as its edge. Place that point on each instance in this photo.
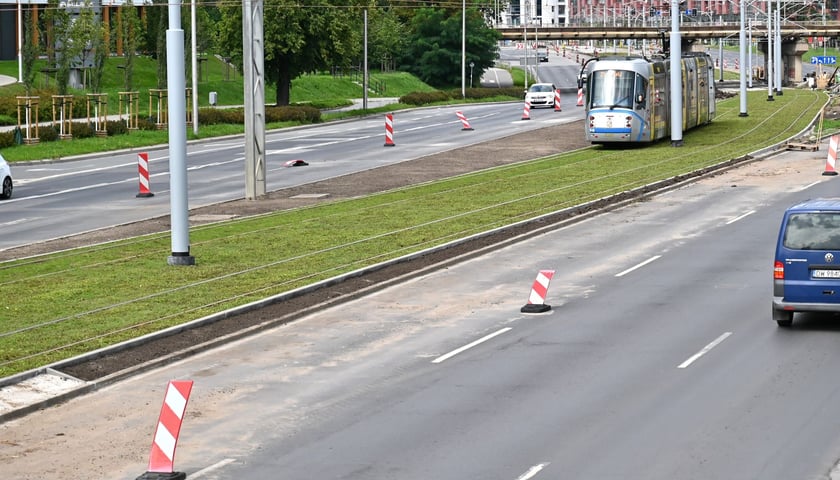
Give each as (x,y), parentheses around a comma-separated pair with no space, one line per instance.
(5,179)
(540,95)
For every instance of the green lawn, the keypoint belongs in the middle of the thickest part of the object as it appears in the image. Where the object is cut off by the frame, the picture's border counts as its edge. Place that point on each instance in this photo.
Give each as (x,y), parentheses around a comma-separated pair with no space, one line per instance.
(63,304)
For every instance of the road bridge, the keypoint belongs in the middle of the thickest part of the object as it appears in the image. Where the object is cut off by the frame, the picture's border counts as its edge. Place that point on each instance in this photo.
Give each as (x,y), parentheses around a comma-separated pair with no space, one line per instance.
(793,35)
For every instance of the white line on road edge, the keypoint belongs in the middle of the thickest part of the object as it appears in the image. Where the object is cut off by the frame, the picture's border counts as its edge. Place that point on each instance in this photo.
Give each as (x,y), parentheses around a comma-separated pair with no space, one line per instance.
(532,471)
(621,274)
(215,466)
(739,217)
(806,187)
(470,345)
(705,350)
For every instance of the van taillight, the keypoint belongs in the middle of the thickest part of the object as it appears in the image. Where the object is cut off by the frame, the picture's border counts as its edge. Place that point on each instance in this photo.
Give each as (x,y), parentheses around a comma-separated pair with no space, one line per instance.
(778,271)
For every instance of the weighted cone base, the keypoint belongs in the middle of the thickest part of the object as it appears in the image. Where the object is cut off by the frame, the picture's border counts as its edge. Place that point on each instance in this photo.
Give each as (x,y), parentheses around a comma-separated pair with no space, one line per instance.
(535,308)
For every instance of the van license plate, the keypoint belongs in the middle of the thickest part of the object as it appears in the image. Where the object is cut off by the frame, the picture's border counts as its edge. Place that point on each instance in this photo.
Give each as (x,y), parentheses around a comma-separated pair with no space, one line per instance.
(826,273)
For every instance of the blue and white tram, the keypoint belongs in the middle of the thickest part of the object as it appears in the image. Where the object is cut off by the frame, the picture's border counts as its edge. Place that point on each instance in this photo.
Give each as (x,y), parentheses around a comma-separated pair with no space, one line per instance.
(628,98)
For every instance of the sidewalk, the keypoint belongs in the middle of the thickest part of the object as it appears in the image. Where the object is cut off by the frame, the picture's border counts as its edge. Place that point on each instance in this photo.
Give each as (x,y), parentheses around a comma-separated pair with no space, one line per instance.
(7,80)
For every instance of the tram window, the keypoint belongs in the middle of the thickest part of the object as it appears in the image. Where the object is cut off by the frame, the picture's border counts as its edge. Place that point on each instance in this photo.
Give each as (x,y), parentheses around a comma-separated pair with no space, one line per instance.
(641,91)
(613,88)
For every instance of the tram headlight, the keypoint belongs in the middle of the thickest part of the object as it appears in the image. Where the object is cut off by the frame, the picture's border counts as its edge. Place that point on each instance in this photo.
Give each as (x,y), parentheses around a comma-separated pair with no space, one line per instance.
(592,121)
(628,121)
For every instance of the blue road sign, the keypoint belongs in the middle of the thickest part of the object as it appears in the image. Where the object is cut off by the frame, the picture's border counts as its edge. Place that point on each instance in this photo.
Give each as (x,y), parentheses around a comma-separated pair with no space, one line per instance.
(829,60)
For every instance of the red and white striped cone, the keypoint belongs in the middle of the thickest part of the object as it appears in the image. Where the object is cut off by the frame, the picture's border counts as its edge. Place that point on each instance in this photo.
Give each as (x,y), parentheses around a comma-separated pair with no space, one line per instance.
(557,101)
(831,161)
(526,112)
(737,64)
(389,130)
(580,97)
(143,173)
(464,121)
(162,457)
(536,301)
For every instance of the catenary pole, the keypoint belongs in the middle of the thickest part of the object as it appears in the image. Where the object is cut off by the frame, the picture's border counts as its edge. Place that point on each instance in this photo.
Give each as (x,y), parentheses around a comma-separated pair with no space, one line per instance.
(742,34)
(676,77)
(176,84)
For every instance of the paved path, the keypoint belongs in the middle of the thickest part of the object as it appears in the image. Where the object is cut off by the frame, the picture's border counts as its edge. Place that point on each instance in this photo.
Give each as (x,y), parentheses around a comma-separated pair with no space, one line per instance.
(7,80)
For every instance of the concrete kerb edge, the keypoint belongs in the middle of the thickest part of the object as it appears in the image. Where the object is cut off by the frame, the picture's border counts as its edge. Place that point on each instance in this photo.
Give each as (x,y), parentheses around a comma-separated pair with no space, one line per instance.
(633,196)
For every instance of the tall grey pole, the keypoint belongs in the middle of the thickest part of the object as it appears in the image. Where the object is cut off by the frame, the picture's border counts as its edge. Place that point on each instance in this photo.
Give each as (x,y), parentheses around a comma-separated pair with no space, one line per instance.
(365,78)
(742,36)
(193,42)
(176,84)
(769,56)
(750,58)
(720,57)
(20,42)
(463,48)
(253,60)
(676,77)
(779,69)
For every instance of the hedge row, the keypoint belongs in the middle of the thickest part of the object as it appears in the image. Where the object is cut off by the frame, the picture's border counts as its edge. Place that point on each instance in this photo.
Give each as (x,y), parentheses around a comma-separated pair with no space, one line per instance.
(425,98)
(303,114)
(306,114)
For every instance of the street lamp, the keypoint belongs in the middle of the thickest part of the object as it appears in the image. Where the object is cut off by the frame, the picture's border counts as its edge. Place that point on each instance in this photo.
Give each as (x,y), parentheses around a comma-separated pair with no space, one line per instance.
(472,64)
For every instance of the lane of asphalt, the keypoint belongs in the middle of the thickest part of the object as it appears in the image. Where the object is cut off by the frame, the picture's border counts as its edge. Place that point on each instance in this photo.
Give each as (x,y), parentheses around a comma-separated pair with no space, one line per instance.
(590,389)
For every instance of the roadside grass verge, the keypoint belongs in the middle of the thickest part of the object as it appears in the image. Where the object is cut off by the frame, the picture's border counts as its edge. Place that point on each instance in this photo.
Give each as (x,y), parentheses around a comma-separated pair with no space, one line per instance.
(63,304)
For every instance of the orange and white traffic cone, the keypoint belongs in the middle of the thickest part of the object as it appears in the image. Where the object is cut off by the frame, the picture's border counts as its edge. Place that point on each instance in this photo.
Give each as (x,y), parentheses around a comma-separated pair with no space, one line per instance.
(580,97)
(143,171)
(389,130)
(526,112)
(464,122)
(832,155)
(539,291)
(557,101)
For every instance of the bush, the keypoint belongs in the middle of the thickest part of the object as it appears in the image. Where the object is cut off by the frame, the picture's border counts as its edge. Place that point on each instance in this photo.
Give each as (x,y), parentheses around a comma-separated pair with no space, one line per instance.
(7,139)
(296,113)
(48,134)
(424,98)
(82,130)
(116,127)
(147,124)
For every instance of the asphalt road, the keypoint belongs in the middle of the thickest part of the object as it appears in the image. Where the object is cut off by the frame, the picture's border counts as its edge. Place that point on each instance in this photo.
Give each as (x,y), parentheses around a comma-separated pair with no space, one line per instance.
(659,360)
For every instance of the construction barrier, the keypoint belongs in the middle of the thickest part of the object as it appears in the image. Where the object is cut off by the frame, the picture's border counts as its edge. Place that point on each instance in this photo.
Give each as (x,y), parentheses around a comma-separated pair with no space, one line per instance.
(143,172)
(162,456)
(580,97)
(526,112)
(389,130)
(831,161)
(464,121)
(557,101)
(536,301)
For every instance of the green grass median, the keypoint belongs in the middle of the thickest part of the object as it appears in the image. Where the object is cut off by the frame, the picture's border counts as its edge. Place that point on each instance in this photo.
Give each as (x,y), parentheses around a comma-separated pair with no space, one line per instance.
(63,304)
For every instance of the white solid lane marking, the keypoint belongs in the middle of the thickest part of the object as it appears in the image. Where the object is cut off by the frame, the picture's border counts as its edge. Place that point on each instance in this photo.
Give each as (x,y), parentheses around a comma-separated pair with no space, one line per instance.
(470,345)
(806,187)
(739,217)
(705,350)
(640,265)
(215,466)
(532,471)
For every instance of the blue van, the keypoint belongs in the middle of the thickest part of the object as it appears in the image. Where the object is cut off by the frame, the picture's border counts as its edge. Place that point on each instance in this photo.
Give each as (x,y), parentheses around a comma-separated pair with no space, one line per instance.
(806,271)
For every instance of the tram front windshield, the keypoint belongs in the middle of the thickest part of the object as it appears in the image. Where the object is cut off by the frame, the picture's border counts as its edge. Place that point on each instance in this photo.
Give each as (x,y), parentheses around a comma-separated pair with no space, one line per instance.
(616,88)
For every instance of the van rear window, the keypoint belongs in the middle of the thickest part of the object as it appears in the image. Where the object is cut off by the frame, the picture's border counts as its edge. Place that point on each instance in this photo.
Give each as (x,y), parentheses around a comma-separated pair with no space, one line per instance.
(813,231)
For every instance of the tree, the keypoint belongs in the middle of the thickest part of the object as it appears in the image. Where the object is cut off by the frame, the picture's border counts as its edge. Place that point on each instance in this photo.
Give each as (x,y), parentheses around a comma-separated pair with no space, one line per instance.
(434,45)
(386,37)
(298,39)
(130,26)
(30,53)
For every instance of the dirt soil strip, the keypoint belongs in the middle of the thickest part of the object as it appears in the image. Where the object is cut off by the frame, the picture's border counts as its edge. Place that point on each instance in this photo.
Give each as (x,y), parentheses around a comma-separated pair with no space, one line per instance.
(512,149)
